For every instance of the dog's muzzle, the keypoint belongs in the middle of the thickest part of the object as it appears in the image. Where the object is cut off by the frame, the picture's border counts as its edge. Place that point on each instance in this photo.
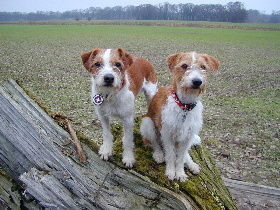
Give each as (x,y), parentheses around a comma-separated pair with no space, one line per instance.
(196,83)
(108,80)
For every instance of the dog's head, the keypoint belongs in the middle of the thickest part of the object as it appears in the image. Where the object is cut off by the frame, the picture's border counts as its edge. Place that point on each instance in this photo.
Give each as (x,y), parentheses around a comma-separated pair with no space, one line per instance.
(190,70)
(107,66)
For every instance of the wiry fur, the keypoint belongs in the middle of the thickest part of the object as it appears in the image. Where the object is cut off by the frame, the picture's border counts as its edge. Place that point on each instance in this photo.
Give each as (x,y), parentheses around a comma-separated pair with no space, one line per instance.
(163,126)
(130,77)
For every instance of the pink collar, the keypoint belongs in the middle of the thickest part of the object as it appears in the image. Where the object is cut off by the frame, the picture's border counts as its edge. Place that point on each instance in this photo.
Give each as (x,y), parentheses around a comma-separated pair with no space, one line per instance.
(184,107)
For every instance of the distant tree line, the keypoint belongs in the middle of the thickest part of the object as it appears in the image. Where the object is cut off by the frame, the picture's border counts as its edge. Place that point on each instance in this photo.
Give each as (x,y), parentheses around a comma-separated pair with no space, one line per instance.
(231,12)
(255,16)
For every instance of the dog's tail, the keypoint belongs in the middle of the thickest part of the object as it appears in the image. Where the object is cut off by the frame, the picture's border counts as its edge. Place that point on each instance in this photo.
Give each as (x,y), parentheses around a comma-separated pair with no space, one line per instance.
(196,140)
(150,82)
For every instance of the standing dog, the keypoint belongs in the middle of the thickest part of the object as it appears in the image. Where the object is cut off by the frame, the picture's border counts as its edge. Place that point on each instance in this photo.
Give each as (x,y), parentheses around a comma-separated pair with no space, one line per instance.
(117,77)
(174,117)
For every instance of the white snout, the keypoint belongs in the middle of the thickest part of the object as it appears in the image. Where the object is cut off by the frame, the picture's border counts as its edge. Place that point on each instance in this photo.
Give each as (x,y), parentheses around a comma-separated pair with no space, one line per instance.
(101,77)
(190,76)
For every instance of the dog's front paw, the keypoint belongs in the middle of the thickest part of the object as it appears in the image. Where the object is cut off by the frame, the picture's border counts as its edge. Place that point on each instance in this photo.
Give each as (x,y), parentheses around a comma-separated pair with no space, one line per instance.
(128,160)
(158,156)
(194,168)
(181,176)
(105,151)
(170,174)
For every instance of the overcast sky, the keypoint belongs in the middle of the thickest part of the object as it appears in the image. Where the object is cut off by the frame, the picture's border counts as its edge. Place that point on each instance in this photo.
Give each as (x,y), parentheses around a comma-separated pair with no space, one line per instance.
(266,6)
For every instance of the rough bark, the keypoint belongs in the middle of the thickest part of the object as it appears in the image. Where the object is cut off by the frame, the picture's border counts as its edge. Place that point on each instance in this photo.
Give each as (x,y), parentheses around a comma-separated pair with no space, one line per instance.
(41,170)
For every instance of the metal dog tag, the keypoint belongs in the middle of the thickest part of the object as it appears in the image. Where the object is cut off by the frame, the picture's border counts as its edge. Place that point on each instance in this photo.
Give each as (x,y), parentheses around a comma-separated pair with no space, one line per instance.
(184,117)
(97,99)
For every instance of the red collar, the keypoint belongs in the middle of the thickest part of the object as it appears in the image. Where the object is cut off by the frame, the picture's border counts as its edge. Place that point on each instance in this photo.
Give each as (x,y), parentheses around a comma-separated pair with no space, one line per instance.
(184,107)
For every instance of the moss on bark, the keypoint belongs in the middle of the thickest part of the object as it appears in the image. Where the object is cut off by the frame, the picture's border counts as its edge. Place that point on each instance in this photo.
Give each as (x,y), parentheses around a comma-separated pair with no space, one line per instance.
(207,189)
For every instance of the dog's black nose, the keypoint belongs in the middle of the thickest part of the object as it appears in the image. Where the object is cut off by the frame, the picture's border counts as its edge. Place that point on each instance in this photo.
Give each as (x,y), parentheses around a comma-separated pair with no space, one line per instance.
(108,79)
(196,83)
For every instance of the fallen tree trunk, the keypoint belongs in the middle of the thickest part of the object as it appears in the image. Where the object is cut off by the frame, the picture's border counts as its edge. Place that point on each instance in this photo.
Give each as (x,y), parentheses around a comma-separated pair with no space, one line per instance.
(40,169)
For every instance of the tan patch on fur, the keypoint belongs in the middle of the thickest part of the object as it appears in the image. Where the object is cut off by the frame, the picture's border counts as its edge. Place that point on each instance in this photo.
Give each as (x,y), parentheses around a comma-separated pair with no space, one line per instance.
(212,62)
(126,58)
(136,68)
(90,58)
(140,69)
(156,104)
(172,60)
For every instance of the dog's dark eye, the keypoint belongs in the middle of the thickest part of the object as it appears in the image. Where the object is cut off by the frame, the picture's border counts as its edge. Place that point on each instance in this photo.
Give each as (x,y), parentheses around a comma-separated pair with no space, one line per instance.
(203,67)
(184,66)
(118,64)
(97,64)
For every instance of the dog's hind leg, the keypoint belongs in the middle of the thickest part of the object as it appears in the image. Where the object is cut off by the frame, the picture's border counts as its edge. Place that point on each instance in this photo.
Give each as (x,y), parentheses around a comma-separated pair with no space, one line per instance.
(148,132)
(190,164)
(188,161)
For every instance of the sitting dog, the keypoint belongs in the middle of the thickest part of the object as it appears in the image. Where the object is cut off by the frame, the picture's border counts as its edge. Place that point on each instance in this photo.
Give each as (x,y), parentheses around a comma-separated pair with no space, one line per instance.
(117,77)
(174,117)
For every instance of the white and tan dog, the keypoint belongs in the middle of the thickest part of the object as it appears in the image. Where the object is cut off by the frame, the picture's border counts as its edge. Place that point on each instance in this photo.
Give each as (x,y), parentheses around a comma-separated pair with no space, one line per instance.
(174,117)
(117,77)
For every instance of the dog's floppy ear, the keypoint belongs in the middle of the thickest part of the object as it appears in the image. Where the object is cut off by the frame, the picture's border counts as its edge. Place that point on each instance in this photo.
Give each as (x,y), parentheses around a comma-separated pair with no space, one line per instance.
(172,60)
(88,56)
(213,63)
(126,58)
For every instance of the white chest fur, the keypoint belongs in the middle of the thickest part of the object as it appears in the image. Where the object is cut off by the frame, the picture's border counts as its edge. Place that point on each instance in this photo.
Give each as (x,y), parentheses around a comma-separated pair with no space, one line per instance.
(173,120)
(117,104)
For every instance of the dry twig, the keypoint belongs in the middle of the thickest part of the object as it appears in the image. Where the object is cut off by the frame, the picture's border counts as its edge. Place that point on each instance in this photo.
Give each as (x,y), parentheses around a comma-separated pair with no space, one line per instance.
(76,142)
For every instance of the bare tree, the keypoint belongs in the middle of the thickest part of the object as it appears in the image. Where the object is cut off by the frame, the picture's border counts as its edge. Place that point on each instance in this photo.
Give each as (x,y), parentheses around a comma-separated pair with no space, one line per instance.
(231,12)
